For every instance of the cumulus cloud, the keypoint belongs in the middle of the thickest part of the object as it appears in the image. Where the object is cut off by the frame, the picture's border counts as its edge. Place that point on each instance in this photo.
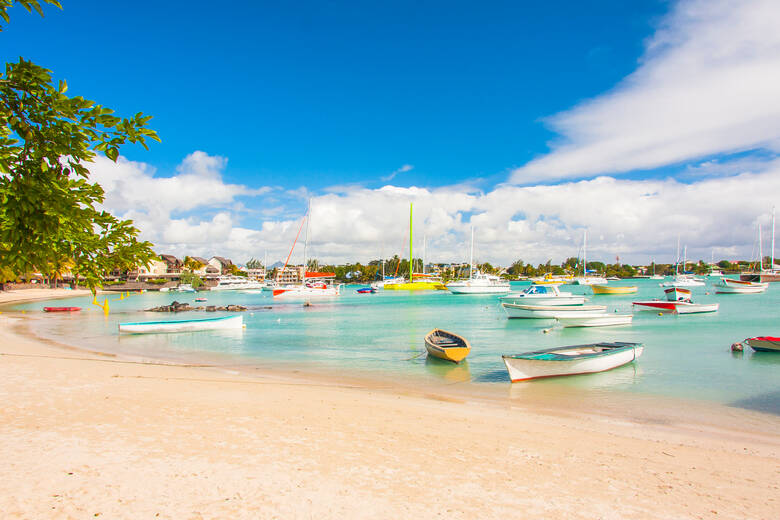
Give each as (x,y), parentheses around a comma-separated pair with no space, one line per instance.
(707,84)
(638,220)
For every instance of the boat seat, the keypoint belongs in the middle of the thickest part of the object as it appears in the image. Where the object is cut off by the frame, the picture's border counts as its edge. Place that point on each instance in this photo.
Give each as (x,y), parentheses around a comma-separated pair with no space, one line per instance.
(445,343)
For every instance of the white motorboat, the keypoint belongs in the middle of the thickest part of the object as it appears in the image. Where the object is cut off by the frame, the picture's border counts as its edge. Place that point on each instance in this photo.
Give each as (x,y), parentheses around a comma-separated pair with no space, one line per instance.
(571,360)
(231,282)
(597,320)
(543,295)
(551,311)
(683,280)
(147,327)
(729,286)
(478,283)
(590,280)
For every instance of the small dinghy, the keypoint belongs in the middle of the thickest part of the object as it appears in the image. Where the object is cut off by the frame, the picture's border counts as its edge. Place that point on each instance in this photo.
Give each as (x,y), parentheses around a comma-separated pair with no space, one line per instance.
(151,327)
(61,309)
(201,299)
(764,343)
(575,359)
(366,290)
(678,300)
(597,320)
(548,312)
(446,345)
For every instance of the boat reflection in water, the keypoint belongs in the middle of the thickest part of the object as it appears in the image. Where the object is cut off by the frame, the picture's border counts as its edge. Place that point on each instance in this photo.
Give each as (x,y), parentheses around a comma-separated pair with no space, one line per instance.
(449,372)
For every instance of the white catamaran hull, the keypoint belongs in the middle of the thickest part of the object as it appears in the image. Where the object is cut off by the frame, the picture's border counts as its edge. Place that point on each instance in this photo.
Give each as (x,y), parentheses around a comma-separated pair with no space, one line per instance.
(468,288)
(228,322)
(551,311)
(600,320)
(525,369)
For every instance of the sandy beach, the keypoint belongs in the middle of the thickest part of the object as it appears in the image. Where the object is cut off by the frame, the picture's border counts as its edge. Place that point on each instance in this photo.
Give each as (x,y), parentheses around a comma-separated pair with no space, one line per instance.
(85,435)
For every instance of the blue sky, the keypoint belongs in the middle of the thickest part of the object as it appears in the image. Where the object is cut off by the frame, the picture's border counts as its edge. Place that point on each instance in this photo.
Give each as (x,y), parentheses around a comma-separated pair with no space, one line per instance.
(504,115)
(320,93)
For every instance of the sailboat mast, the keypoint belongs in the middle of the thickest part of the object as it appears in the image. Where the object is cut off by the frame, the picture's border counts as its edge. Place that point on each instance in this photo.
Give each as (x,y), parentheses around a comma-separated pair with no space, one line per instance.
(760,251)
(584,254)
(425,249)
(685,257)
(411,257)
(772,260)
(306,242)
(677,260)
(471,258)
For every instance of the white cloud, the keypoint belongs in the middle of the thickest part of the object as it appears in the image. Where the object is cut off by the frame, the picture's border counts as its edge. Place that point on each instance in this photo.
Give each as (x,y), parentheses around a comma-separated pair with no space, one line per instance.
(403,169)
(636,219)
(707,84)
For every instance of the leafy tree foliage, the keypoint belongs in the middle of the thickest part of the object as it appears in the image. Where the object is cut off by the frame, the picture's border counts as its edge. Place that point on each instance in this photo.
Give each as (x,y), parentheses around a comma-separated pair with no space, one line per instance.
(50,216)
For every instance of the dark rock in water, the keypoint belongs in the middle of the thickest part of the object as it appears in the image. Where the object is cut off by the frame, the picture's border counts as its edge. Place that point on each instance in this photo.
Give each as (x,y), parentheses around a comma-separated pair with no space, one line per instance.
(182,307)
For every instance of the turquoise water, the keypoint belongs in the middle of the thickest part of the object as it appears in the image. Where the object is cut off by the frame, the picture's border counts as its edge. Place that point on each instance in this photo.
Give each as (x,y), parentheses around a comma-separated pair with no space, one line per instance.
(381,335)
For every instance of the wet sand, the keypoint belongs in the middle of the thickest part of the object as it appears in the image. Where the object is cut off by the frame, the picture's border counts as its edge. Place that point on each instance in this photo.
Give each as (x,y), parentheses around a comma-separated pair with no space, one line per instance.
(85,434)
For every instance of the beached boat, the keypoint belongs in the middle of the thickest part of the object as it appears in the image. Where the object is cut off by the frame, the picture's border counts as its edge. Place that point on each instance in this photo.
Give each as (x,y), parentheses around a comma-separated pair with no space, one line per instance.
(571,360)
(608,289)
(149,327)
(61,309)
(764,343)
(597,320)
(543,295)
(548,312)
(729,286)
(446,345)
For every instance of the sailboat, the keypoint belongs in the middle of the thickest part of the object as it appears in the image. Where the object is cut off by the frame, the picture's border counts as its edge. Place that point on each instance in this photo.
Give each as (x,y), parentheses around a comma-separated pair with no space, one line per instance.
(682,279)
(585,279)
(417,281)
(313,284)
(479,283)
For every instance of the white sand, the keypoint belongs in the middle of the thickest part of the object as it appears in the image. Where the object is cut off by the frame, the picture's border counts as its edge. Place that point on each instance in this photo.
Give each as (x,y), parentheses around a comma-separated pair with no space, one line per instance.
(83,435)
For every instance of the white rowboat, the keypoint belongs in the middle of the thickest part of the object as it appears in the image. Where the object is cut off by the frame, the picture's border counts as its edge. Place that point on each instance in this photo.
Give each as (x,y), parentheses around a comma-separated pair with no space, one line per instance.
(150,327)
(729,286)
(598,320)
(575,359)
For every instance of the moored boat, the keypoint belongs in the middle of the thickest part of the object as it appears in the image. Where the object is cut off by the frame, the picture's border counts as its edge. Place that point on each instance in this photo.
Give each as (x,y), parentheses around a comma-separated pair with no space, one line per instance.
(571,360)
(543,295)
(366,290)
(610,289)
(597,320)
(149,327)
(695,308)
(446,345)
(729,286)
(514,310)
(764,343)
(61,309)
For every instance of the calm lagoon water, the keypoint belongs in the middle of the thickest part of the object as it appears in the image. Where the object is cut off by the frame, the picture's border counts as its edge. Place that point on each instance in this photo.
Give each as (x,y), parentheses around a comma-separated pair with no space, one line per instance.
(381,336)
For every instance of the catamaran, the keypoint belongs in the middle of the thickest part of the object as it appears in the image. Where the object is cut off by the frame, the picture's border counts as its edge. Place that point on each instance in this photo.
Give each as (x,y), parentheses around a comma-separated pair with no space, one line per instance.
(417,281)
(313,284)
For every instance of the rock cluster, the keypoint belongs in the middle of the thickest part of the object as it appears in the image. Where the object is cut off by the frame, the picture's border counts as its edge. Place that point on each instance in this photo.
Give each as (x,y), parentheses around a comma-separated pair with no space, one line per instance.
(181,307)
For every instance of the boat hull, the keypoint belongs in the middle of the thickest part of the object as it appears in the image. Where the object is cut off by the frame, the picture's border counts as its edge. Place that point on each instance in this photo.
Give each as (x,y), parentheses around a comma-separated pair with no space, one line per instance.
(61,309)
(541,364)
(606,289)
(764,343)
(544,300)
(298,292)
(415,286)
(551,311)
(153,327)
(477,289)
(695,308)
(727,286)
(603,320)
(447,346)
